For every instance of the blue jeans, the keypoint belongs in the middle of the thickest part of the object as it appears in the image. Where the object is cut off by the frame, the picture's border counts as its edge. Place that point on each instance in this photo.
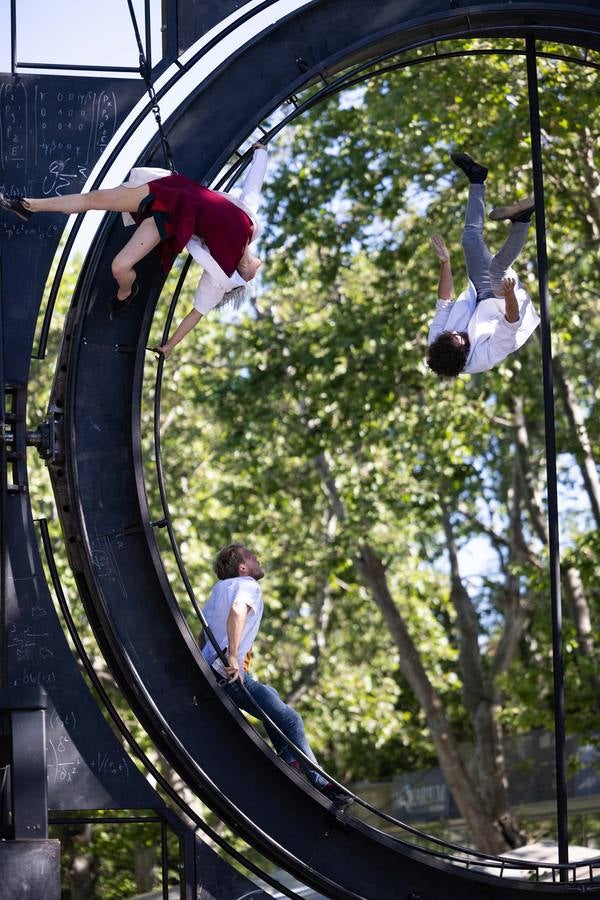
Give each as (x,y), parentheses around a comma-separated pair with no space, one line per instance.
(287,719)
(487,271)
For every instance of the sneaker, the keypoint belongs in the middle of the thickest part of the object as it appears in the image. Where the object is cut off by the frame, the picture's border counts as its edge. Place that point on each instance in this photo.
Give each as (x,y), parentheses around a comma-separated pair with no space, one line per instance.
(117,306)
(16,205)
(521,211)
(341,799)
(475,172)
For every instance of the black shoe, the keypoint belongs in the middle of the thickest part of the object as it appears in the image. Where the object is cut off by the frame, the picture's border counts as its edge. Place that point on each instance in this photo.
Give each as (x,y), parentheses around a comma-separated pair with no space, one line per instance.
(338,797)
(521,211)
(475,172)
(16,205)
(117,306)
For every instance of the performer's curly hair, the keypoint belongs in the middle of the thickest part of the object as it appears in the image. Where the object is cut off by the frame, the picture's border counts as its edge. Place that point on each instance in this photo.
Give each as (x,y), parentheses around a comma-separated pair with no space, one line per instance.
(228,561)
(446,356)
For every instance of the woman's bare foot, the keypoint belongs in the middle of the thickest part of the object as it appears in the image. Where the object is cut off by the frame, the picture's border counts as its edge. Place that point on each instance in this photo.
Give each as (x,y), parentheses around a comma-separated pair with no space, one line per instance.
(248,265)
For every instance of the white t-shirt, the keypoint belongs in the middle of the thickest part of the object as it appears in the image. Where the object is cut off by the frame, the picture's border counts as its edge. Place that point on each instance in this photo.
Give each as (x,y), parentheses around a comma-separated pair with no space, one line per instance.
(222,597)
(491,337)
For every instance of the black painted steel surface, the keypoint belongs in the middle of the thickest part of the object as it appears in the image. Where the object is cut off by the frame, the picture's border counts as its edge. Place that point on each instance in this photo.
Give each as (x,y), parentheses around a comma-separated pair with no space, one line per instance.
(41,155)
(113,551)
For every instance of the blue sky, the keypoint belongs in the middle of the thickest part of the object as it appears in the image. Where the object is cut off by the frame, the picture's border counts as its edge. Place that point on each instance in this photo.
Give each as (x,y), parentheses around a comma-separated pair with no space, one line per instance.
(82,32)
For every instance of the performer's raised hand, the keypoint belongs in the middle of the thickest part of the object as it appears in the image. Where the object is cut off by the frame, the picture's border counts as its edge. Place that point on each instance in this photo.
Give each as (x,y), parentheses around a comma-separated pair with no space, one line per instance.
(439,247)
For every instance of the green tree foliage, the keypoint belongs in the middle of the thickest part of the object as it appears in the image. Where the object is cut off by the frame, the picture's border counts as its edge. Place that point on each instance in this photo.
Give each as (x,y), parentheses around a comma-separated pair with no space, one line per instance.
(310,426)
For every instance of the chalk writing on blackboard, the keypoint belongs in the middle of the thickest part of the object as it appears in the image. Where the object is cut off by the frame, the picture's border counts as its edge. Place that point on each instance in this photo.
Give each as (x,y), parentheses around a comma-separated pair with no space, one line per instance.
(63,758)
(110,764)
(14,133)
(50,138)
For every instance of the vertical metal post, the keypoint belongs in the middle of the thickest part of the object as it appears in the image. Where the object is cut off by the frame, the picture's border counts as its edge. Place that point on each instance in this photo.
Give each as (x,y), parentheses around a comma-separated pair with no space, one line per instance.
(553,537)
(170,47)
(24,710)
(13,36)
(3,505)
(164,859)
(148,33)
(29,784)
(187,865)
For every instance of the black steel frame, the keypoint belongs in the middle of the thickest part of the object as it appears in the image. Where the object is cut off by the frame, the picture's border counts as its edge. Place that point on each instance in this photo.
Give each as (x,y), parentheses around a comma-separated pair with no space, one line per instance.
(350,79)
(531,52)
(343,82)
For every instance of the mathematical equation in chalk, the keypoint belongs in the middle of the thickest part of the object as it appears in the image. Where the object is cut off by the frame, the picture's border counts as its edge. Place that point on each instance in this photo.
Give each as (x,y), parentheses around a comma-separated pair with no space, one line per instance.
(30,644)
(55,135)
(64,762)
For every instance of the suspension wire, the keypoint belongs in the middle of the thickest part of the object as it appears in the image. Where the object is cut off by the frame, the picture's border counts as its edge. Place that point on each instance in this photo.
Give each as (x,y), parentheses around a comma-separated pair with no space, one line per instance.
(146,74)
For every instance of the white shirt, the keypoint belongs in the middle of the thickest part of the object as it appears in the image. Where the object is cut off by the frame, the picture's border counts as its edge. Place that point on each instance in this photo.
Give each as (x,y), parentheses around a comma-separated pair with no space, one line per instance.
(491,336)
(214,282)
(216,612)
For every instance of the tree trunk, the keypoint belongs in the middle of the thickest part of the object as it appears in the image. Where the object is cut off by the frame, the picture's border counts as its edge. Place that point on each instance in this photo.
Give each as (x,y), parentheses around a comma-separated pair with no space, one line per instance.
(481,704)
(515,607)
(485,834)
(81,866)
(493,833)
(574,588)
(144,865)
(309,673)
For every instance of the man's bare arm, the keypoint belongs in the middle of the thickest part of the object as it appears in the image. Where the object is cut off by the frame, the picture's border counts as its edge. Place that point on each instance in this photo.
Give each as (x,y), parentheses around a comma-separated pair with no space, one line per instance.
(235,629)
(511,312)
(446,281)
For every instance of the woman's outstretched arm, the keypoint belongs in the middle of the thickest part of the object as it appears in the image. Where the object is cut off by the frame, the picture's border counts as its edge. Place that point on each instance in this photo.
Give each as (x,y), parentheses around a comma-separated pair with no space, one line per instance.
(250,192)
(180,332)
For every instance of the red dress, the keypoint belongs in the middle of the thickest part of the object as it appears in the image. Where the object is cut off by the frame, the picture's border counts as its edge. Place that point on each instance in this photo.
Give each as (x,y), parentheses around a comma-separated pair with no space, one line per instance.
(181,207)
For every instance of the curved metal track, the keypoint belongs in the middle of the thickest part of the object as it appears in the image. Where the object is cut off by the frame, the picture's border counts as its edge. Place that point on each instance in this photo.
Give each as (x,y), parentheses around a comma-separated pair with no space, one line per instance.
(111,542)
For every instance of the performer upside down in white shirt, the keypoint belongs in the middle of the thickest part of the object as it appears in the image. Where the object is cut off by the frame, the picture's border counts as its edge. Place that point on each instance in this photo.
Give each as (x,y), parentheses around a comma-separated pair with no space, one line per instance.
(494,316)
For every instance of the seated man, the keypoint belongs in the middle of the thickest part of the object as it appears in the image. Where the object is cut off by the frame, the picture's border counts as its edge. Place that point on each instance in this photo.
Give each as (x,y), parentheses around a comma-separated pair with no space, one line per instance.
(233,613)
(494,316)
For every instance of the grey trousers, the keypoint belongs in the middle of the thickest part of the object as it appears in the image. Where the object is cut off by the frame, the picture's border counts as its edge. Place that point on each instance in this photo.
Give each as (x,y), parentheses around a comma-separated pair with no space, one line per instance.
(487,271)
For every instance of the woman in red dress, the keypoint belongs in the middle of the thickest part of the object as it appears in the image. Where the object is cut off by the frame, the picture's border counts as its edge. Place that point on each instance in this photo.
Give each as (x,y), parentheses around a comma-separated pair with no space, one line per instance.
(172,212)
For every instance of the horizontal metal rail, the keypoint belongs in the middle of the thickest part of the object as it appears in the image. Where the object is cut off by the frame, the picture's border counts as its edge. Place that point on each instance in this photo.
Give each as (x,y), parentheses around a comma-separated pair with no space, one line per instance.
(61,67)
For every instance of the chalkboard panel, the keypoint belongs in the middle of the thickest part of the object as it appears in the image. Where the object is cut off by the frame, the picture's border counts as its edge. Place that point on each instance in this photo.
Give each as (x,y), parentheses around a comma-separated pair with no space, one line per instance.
(53,130)
(87,766)
(30,870)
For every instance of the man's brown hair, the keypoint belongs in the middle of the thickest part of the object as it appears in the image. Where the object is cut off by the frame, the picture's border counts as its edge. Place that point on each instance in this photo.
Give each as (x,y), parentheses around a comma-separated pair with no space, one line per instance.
(228,561)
